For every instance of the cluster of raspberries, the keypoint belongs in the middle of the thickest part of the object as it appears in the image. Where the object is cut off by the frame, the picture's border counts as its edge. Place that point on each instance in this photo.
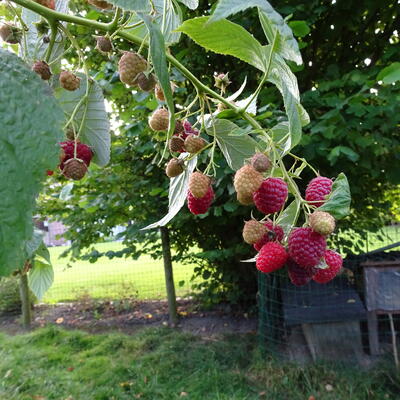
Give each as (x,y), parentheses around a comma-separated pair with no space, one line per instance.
(306,255)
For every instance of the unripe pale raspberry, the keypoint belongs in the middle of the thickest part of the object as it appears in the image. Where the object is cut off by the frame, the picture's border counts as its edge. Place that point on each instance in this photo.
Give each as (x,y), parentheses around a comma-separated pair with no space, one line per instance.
(10,33)
(83,152)
(42,69)
(74,169)
(174,167)
(245,198)
(159,120)
(199,184)
(69,81)
(334,262)
(271,257)
(253,231)
(247,180)
(274,233)
(176,144)
(322,222)
(200,206)
(47,3)
(146,83)
(103,5)
(194,143)
(306,247)
(299,276)
(317,190)
(271,196)
(260,162)
(159,93)
(130,65)
(103,44)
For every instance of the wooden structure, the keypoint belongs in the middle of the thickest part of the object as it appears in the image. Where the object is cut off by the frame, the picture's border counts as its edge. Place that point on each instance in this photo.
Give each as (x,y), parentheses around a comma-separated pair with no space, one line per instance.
(382,296)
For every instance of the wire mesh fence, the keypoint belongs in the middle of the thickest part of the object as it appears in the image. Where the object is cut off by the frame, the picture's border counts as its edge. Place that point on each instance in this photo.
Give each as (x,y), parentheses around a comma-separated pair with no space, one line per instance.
(354,315)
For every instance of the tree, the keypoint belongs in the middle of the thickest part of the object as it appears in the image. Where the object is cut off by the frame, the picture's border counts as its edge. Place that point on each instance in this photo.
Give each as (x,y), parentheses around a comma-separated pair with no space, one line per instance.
(235,129)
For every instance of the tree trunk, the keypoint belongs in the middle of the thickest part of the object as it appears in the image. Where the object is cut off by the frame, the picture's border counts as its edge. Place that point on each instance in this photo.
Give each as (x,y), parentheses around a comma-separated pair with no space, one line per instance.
(169,277)
(25,300)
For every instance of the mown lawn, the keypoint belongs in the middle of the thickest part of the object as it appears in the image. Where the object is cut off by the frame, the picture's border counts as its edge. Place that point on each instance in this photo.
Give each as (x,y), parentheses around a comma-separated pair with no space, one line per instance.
(112,278)
(163,364)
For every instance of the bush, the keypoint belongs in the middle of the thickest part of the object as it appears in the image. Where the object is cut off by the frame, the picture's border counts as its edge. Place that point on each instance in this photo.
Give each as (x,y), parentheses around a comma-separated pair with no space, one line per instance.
(10,300)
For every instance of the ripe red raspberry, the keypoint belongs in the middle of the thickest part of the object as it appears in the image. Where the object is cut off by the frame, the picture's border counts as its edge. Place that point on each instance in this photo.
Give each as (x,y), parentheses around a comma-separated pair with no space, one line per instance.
(322,222)
(83,152)
(253,231)
(247,180)
(317,190)
(271,257)
(189,130)
(334,262)
(271,196)
(69,81)
(299,276)
(306,247)
(200,206)
(275,233)
(199,184)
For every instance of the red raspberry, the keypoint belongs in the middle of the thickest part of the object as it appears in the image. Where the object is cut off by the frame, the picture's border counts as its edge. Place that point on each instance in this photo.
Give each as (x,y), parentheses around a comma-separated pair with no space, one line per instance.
(200,206)
(271,257)
(83,152)
(306,247)
(334,262)
(299,276)
(271,196)
(275,234)
(317,190)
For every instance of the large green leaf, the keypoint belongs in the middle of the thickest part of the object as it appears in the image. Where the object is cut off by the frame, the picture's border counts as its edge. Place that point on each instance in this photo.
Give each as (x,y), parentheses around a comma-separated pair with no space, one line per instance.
(192,4)
(34,242)
(178,188)
(225,37)
(288,218)
(271,22)
(159,60)
(31,123)
(96,126)
(132,5)
(338,203)
(390,74)
(40,278)
(235,146)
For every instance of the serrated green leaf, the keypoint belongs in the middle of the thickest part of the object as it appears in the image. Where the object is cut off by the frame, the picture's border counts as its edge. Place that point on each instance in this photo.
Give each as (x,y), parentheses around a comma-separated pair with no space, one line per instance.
(338,202)
(31,127)
(132,5)
(178,188)
(225,37)
(96,126)
(236,148)
(157,52)
(40,278)
(288,218)
(390,74)
(192,4)
(33,243)
(270,20)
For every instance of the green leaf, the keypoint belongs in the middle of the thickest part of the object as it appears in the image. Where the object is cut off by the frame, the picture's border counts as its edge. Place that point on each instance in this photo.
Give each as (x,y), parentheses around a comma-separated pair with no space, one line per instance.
(236,147)
(41,277)
(288,218)
(178,188)
(31,127)
(270,20)
(65,193)
(338,203)
(96,126)
(390,74)
(157,52)
(43,252)
(132,5)
(225,37)
(299,28)
(33,243)
(192,4)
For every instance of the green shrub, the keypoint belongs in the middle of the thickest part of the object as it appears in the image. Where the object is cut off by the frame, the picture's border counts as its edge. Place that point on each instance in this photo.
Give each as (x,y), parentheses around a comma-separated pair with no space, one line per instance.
(10,301)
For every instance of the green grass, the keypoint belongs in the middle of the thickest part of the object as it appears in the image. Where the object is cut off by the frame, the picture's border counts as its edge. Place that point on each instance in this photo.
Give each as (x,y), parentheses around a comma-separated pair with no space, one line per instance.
(112,278)
(161,364)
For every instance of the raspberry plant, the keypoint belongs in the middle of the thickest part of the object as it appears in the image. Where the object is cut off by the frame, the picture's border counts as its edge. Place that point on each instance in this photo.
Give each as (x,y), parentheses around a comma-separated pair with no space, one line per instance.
(69,104)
